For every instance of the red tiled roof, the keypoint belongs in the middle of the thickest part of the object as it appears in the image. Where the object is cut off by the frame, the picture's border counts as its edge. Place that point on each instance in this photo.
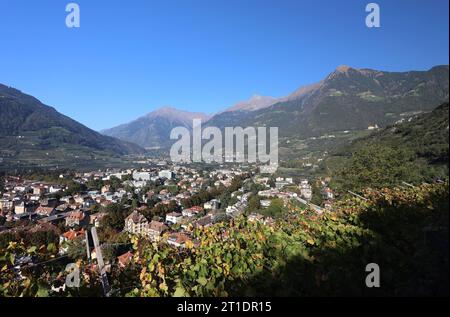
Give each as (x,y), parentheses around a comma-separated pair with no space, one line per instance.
(179,237)
(77,214)
(157,226)
(196,209)
(44,210)
(125,258)
(174,214)
(136,217)
(204,221)
(72,234)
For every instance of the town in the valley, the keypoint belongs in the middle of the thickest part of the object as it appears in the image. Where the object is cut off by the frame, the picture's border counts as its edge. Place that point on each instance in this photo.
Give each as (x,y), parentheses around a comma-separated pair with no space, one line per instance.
(164,204)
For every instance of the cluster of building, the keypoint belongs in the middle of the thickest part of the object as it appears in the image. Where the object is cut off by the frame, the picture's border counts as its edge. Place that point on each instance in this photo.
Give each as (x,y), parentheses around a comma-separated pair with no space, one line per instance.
(179,235)
(50,204)
(178,226)
(26,199)
(46,203)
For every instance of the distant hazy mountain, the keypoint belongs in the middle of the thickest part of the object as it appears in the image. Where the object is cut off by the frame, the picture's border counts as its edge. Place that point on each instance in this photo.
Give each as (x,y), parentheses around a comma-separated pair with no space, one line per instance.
(32,130)
(347,99)
(255,103)
(153,129)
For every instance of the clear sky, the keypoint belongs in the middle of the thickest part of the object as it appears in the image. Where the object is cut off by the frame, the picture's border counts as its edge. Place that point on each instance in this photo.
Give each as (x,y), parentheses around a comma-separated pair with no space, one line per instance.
(131,57)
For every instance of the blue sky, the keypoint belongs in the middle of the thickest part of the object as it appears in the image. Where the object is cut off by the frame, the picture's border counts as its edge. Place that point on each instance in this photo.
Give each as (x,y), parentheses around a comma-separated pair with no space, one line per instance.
(131,57)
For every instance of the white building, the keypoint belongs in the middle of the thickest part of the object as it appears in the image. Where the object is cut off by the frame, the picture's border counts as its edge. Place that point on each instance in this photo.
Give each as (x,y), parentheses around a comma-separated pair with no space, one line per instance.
(212,204)
(268,169)
(231,210)
(174,217)
(142,176)
(305,189)
(166,174)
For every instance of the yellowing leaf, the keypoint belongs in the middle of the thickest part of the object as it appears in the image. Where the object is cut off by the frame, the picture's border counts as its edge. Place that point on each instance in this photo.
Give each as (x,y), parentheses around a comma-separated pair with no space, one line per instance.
(180,292)
(202,281)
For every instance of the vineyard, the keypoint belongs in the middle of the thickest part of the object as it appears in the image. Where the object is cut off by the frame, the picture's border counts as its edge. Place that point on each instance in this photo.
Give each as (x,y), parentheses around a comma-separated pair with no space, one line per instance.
(403,230)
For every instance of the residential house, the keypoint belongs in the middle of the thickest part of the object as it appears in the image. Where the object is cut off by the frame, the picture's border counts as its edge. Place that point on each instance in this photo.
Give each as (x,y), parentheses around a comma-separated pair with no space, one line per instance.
(327,193)
(178,239)
(306,192)
(105,189)
(166,174)
(25,215)
(55,189)
(190,212)
(96,219)
(174,217)
(79,199)
(231,210)
(24,207)
(125,259)
(105,203)
(142,176)
(269,193)
(155,229)
(212,204)
(88,202)
(39,189)
(68,199)
(45,211)
(6,204)
(69,236)
(204,222)
(77,218)
(63,208)
(136,223)
(34,198)
(49,202)
(269,221)
(21,188)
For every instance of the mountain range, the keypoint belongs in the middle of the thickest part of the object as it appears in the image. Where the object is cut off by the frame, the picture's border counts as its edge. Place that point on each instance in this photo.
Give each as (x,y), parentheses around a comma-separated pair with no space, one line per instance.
(33,132)
(153,129)
(347,99)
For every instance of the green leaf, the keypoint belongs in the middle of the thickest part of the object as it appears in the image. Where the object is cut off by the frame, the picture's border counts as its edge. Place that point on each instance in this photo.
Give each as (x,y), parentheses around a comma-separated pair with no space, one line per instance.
(180,292)
(202,281)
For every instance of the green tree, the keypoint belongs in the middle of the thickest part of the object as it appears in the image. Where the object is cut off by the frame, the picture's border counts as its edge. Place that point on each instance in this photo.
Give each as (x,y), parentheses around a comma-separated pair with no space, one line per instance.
(95,184)
(254,203)
(275,208)
(115,217)
(316,198)
(378,166)
(2,184)
(77,249)
(114,183)
(109,253)
(74,188)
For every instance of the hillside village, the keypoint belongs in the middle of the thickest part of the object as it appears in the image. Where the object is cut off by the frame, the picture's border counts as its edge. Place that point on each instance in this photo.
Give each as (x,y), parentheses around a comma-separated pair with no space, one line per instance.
(161,204)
